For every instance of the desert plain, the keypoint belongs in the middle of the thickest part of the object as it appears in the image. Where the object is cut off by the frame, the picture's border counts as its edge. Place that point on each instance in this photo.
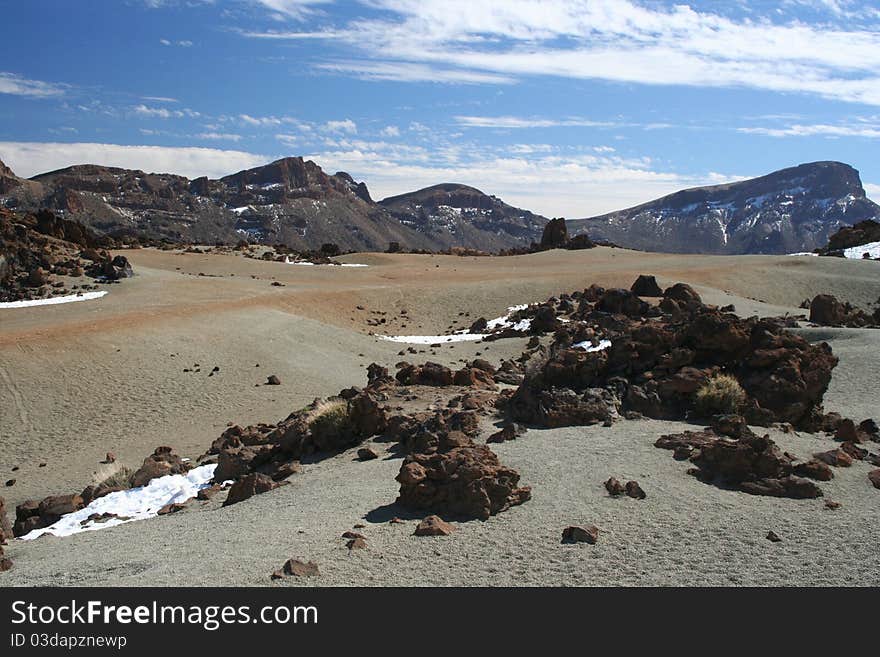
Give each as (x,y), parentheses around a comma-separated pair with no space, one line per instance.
(81,379)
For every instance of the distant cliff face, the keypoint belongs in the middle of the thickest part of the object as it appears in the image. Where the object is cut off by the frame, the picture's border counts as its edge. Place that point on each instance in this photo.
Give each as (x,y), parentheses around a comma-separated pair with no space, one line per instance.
(458,215)
(290,201)
(787,211)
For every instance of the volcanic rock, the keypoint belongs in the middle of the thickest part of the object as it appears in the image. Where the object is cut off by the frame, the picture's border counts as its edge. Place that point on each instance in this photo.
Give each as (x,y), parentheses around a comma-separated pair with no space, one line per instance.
(433,526)
(460,478)
(646,286)
(580,534)
(248,486)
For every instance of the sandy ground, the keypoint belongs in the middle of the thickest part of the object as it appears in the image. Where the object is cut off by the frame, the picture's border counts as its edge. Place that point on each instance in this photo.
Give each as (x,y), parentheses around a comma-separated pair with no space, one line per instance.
(81,379)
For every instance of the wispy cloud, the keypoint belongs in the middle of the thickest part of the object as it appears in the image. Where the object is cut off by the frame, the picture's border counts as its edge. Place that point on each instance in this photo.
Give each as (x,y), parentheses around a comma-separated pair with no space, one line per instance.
(413,72)
(164,112)
(16,85)
(219,136)
(346,125)
(296,9)
(615,40)
(819,129)
(516,122)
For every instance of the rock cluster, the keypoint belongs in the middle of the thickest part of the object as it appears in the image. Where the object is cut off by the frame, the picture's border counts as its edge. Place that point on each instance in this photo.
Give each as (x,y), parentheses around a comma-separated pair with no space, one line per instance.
(36,248)
(753,464)
(660,356)
(33,514)
(459,478)
(826,310)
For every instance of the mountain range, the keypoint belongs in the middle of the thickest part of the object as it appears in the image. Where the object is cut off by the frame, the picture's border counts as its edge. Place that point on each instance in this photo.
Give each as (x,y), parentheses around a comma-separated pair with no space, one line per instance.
(294,202)
(290,201)
(788,211)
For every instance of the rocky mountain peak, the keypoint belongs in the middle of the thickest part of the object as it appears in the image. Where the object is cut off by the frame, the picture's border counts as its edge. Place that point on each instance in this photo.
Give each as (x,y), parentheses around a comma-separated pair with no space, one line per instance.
(790,210)
(8,179)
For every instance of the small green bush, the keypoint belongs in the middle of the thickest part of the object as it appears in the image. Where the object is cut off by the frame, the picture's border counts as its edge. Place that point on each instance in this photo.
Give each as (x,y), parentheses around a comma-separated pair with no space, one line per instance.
(721,394)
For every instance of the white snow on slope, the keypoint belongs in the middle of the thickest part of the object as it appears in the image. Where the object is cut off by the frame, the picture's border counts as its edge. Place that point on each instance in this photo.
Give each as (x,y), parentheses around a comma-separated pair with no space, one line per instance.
(463,335)
(589,346)
(133,504)
(70,298)
(306,263)
(856,252)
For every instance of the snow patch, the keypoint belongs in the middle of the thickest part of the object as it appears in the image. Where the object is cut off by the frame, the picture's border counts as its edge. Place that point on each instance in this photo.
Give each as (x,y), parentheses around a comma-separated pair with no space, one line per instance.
(53,301)
(133,504)
(857,252)
(463,335)
(590,347)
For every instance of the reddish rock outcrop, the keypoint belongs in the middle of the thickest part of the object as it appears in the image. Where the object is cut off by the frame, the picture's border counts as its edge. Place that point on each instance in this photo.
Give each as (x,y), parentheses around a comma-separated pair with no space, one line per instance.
(160,463)
(460,478)
(248,486)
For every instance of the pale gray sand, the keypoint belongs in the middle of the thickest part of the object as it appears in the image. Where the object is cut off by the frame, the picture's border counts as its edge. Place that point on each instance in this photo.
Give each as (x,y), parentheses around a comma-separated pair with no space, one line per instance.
(685,533)
(67,396)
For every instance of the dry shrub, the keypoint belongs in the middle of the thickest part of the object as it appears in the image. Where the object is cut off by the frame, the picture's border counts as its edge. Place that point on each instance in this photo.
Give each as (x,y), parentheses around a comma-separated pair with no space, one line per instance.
(112,475)
(720,395)
(330,420)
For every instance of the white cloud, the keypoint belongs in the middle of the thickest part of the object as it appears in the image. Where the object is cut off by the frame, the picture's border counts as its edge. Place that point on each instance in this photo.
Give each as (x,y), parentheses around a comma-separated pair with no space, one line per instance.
(390,131)
(515,122)
(15,85)
(412,72)
(872,190)
(296,9)
(160,99)
(818,129)
(616,40)
(163,112)
(219,136)
(30,158)
(287,140)
(260,120)
(346,125)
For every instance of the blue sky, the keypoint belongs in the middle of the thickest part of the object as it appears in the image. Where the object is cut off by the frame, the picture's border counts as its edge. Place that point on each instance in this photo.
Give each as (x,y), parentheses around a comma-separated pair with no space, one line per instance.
(563,107)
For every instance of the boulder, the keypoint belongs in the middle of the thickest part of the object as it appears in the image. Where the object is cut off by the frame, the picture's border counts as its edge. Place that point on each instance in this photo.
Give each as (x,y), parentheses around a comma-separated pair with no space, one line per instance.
(684,294)
(429,374)
(367,454)
(814,469)
(460,478)
(580,534)
(646,286)
(248,486)
(555,234)
(792,487)
(635,491)
(56,506)
(614,487)
(297,568)
(835,457)
(160,463)
(433,526)
(874,477)
(826,310)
